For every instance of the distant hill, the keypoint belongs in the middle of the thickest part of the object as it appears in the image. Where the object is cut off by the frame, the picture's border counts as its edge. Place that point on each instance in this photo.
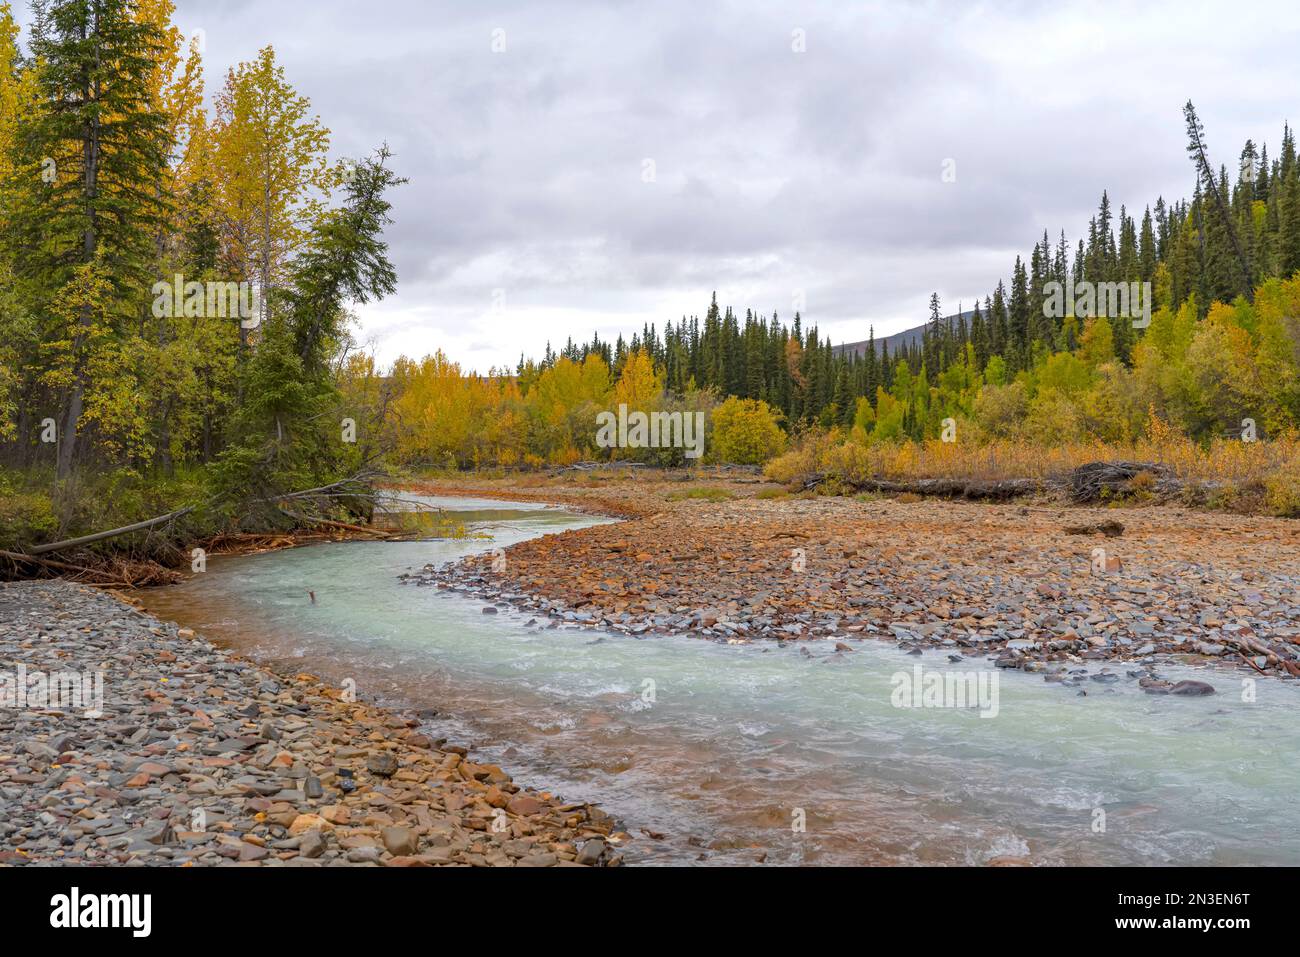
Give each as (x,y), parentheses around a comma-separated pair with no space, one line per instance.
(897,340)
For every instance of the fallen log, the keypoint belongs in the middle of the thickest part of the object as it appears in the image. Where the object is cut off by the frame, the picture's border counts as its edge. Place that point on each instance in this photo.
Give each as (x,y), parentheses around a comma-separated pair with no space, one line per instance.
(1251,662)
(111,533)
(1110,528)
(349,484)
(999,489)
(1087,483)
(974,488)
(331,523)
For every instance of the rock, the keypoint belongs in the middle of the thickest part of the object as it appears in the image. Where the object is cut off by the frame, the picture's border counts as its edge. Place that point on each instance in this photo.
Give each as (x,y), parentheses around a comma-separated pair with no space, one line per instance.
(400,841)
(524,806)
(306,822)
(538,860)
(64,743)
(336,814)
(40,749)
(590,852)
(312,844)
(382,764)
(159,832)
(1192,688)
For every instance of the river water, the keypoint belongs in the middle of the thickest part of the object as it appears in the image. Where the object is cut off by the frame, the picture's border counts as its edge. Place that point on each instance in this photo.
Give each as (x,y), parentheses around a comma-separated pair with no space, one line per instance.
(709,753)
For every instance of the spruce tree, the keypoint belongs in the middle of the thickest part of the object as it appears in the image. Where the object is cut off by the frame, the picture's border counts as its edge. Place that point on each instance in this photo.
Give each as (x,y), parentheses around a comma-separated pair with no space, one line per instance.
(1288,240)
(99,134)
(1146,248)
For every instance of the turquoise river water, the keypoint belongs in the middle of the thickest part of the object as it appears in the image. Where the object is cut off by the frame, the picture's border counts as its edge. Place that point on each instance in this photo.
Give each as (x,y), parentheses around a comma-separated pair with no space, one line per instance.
(710,753)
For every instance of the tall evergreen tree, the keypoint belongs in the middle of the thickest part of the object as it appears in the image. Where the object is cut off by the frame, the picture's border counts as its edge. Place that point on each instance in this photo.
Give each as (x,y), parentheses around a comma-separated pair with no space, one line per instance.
(86,201)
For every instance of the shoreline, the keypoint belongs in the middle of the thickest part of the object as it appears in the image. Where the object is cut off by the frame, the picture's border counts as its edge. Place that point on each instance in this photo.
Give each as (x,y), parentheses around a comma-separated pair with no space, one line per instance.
(199,757)
(1018,584)
(587,502)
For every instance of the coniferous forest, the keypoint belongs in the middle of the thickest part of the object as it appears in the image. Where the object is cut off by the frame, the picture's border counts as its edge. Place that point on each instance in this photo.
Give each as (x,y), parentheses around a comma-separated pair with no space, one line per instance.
(1224,246)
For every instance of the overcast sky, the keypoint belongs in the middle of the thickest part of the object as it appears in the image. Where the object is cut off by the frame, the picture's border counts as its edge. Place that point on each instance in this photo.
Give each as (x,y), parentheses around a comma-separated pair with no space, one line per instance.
(776,173)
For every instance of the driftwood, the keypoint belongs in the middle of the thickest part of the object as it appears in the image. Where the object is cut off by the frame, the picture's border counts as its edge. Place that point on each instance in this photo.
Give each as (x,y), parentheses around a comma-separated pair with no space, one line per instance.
(331,523)
(600,466)
(945,488)
(1110,528)
(122,572)
(111,533)
(1087,483)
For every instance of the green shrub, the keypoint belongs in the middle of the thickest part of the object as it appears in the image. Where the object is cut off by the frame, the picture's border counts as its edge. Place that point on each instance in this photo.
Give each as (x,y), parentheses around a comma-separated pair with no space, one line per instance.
(1282,492)
(709,494)
(25,517)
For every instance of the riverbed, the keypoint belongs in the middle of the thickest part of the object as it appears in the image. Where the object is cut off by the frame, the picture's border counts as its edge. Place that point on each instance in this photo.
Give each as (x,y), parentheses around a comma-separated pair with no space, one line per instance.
(795,754)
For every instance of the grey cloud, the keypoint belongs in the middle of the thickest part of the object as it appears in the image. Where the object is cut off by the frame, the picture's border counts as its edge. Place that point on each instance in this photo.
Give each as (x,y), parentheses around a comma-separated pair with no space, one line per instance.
(775,170)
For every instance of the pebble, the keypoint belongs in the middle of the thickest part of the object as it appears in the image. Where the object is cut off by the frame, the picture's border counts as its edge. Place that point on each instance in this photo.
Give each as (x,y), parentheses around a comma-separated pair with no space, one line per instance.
(198,758)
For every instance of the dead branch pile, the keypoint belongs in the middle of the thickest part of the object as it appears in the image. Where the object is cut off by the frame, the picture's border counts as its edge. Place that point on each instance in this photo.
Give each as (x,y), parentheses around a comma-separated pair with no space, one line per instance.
(113,572)
(1092,482)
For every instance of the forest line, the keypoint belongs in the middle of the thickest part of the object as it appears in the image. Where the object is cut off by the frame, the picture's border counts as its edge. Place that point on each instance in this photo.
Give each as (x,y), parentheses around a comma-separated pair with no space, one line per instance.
(176,286)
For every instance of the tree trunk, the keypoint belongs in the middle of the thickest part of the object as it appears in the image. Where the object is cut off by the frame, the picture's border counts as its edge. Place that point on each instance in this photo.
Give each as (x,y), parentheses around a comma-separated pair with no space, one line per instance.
(89,246)
(68,430)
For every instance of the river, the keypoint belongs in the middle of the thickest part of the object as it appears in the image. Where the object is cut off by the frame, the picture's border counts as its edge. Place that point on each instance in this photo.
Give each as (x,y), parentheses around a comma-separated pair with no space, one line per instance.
(711,753)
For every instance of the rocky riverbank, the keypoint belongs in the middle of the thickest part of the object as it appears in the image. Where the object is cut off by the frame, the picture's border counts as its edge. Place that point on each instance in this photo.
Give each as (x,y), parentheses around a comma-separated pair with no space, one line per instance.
(1035,587)
(125,740)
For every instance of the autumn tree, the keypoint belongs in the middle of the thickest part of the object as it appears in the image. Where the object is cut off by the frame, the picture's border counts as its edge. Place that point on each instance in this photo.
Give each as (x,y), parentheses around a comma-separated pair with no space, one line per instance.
(273,177)
(285,434)
(746,431)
